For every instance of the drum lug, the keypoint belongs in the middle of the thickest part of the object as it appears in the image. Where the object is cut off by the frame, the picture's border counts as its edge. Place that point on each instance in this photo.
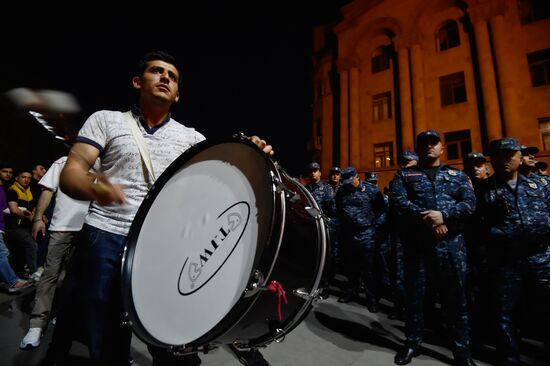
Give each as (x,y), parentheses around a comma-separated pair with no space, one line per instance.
(314,212)
(254,285)
(280,187)
(279,335)
(126,322)
(302,293)
(305,295)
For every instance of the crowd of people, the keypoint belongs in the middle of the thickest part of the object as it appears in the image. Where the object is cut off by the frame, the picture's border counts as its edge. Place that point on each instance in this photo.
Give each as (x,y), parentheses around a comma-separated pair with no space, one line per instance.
(466,239)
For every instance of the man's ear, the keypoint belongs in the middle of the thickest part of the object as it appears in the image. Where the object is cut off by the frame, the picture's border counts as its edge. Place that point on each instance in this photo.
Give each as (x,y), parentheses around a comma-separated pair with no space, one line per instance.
(177,98)
(136,81)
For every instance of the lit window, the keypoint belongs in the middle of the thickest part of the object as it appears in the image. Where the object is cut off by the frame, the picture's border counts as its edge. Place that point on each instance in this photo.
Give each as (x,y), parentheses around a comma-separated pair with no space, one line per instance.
(539,67)
(380,60)
(448,36)
(458,144)
(452,88)
(383,155)
(544,128)
(381,106)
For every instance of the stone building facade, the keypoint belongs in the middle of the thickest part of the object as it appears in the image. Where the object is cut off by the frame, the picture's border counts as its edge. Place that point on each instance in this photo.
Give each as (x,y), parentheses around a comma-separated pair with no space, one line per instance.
(474,70)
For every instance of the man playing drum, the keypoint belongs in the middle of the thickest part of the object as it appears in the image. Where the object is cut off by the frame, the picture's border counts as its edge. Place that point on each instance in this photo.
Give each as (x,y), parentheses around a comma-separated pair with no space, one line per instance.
(93,300)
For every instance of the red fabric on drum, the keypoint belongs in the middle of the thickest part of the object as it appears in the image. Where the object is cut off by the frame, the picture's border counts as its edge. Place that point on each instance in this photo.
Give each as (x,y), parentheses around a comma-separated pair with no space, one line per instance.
(276,287)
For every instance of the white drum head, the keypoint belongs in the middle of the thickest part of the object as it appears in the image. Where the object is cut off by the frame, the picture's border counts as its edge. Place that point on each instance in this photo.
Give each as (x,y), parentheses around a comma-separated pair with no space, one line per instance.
(198,242)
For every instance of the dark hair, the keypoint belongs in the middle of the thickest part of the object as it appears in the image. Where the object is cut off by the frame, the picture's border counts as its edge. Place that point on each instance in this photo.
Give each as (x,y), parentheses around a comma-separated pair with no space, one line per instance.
(156,56)
(5,164)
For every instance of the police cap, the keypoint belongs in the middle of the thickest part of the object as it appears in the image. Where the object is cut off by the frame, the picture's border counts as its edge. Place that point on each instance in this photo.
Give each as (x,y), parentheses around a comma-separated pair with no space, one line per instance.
(529,150)
(506,143)
(371,177)
(348,174)
(408,156)
(314,166)
(475,157)
(428,135)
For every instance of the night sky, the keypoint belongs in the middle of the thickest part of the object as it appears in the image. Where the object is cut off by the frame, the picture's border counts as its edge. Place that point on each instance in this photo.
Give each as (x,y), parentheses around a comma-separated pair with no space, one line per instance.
(246,66)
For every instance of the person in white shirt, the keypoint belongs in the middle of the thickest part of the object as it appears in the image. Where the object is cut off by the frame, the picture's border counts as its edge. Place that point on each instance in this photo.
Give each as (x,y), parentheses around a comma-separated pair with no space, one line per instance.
(67,220)
(95,304)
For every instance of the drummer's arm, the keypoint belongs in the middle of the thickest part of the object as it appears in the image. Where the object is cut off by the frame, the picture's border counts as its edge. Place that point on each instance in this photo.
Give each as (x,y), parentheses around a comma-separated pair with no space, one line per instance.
(78,183)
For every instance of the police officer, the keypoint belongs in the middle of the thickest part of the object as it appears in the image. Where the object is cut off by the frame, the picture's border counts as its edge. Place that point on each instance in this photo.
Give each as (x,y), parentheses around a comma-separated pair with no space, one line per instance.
(334,179)
(382,251)
(478,289)
(515,210)
(321,191)
(324,196)
(407,159)
(434,200)
(359,204)
(527,166)
(475,166)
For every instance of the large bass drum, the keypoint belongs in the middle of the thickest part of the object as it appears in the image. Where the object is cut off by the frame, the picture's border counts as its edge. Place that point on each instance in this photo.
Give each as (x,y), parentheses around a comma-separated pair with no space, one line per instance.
(225,249)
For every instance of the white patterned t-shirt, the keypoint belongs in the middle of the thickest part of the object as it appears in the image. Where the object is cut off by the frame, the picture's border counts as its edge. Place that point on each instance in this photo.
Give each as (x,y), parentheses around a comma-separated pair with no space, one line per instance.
(121,162)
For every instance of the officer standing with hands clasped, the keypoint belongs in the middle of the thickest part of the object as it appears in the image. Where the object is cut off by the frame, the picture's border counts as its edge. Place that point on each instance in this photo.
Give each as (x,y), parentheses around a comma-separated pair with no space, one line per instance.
(515,212)
(433,200)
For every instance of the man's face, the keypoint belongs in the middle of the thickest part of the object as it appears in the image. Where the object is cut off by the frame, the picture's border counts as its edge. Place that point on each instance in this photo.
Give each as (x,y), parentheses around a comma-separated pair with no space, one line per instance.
(506,161)
(159,82)
(335,177)
(38,172)
(5,175)
(480,170)
(430,148)
(24,179)
(355,182)
(315,175)
(528,160)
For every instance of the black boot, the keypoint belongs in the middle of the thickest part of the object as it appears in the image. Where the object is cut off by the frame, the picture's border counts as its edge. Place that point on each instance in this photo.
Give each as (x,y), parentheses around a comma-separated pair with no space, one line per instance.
(347,297)
(406,355)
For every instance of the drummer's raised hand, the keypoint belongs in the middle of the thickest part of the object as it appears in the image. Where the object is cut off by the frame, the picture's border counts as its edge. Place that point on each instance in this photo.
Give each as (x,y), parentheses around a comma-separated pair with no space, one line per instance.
(268,149)
(78,183)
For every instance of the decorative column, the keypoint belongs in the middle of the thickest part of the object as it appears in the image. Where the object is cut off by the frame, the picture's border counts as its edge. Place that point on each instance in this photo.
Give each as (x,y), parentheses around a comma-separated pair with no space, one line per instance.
(344,118)
(488,81)
(407,132)
(505,69)
(419,99)
(354,128)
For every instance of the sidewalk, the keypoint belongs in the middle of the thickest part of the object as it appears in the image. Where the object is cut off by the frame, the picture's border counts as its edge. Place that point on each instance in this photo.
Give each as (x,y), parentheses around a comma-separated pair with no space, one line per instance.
(333,334)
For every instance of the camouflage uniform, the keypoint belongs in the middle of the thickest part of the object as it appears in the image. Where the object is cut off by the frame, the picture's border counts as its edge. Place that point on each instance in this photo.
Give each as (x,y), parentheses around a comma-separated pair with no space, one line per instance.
(517,223)
(358,209)
(451,193)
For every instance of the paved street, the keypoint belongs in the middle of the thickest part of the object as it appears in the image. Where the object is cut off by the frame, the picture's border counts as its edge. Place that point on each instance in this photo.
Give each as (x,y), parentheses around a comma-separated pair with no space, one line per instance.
(332,334)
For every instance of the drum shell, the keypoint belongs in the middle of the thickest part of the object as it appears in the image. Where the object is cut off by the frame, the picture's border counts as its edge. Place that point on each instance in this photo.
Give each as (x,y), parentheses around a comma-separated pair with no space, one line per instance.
(294,255)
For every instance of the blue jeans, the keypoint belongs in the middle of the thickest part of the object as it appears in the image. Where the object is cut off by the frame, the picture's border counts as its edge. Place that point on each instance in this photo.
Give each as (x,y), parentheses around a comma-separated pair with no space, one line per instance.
(7,274)
(91,310)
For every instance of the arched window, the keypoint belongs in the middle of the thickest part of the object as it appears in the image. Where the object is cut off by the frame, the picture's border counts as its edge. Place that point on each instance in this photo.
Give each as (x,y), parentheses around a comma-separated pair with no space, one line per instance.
(380,60)
(448,36)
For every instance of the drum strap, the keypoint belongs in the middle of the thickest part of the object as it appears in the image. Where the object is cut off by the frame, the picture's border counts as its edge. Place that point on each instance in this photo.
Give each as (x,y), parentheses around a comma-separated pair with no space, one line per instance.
(140,142)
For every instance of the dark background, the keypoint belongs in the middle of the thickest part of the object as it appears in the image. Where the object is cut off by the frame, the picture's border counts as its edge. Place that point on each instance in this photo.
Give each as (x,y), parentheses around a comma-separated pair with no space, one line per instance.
(246,66)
